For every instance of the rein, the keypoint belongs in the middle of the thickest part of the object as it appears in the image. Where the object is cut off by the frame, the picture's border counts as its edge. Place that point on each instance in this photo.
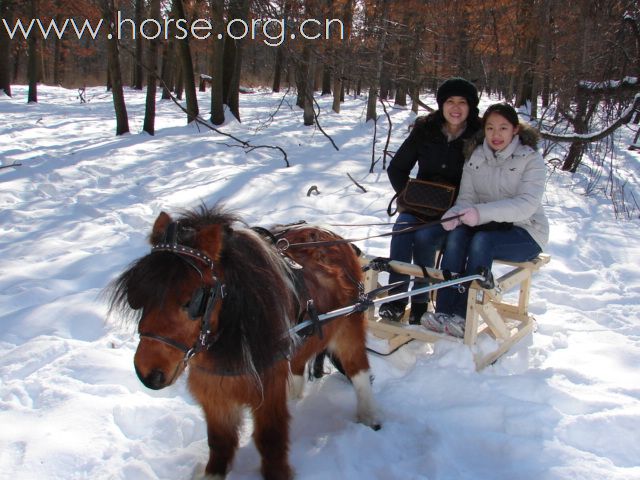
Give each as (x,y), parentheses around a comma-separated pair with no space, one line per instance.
(283,245)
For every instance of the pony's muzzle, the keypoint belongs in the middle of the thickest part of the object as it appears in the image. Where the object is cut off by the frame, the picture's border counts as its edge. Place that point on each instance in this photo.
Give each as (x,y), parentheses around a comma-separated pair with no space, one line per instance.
(154,380)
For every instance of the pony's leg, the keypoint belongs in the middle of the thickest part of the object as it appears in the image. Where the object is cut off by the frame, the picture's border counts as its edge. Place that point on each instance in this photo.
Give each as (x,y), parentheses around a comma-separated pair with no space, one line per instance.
(222,437)
(271,427)
(296,379)
(349,346)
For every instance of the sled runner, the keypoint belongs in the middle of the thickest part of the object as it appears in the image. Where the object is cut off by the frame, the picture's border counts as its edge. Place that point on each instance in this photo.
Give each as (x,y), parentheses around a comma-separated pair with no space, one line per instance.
(487,310)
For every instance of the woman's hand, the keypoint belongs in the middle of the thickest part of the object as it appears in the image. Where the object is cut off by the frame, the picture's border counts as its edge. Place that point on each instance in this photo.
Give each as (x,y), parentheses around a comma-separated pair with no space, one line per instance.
(469,216)
(449,225)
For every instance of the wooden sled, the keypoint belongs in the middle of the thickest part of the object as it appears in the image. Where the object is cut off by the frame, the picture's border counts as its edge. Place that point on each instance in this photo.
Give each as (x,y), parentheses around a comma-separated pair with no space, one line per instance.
(487,311)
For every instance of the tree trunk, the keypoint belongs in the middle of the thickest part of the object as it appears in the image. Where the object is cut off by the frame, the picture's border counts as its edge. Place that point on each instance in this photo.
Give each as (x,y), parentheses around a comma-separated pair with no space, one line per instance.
(238,9)
(217,62)
(6,12)
(415,95)
(167,70)
(547,48)
(377,76)
(580,124)
(342,52)
(308,115)
(529,52)
(113,58)
(32,69)
(177,72)
(401,96)
(338,89)
(326,80)
(138,68)
(187,67)
(301,82)
(150,105)
(277,72)
(58,57)
(415,52)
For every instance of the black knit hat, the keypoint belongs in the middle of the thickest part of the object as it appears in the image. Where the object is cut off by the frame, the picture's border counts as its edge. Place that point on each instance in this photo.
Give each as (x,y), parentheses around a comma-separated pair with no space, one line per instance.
(457,87)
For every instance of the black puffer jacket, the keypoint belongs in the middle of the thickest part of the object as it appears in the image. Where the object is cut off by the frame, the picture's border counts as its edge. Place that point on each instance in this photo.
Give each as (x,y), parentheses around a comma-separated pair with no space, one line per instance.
(438,160)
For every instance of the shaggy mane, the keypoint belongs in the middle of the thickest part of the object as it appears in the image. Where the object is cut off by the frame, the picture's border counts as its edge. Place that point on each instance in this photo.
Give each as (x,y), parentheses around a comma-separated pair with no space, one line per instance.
(260,302)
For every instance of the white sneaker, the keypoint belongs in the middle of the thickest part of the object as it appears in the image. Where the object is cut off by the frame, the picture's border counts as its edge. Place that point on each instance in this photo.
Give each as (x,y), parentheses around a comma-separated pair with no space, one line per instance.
(455,326)
(434,321)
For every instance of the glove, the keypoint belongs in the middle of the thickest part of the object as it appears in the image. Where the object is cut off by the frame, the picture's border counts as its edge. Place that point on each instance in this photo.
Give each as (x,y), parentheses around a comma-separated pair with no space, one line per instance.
(470,216)
(449,225)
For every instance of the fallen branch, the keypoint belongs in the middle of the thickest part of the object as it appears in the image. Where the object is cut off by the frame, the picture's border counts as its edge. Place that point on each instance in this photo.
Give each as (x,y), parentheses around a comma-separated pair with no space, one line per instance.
(14,164)
(357,184)
(595,136)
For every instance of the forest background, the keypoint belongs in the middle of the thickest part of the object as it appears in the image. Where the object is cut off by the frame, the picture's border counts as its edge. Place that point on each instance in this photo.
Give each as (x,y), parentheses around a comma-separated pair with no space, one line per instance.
(572,68)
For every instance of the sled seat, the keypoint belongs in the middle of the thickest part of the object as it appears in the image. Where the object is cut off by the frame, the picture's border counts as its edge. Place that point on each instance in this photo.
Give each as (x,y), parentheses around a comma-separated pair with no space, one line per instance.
(506,320)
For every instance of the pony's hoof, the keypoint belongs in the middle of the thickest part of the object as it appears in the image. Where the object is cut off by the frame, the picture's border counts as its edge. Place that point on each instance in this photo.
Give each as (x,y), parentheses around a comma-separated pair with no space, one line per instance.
(296,387)
(371,421)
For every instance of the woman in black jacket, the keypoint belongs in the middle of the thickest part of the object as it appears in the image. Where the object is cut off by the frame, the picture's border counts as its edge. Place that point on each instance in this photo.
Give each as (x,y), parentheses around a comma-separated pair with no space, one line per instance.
(436,145)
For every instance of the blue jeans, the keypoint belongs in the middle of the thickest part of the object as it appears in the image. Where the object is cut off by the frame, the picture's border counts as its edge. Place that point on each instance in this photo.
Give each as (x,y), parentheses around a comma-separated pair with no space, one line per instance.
(419,246)
(467,252)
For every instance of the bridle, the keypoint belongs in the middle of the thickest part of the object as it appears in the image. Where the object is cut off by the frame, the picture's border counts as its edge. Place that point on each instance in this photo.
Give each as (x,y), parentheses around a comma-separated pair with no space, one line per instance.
(203,300)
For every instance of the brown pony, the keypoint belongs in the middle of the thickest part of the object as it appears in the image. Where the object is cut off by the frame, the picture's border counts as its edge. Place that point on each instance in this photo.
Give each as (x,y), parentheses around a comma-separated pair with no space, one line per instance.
(218,297)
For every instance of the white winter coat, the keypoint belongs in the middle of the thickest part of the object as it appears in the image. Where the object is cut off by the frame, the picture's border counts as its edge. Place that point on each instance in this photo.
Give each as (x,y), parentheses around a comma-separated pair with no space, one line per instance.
(507,186)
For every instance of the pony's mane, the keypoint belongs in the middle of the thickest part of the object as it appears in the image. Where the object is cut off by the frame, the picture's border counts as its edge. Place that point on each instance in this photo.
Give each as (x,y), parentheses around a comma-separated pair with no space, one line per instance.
(260,300)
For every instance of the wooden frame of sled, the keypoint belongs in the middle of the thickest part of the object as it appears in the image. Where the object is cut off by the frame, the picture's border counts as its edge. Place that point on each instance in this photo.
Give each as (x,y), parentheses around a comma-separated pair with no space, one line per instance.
(487,311)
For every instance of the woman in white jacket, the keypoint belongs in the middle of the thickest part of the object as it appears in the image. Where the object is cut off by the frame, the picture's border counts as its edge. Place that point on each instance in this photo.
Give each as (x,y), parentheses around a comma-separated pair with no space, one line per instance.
(500,211)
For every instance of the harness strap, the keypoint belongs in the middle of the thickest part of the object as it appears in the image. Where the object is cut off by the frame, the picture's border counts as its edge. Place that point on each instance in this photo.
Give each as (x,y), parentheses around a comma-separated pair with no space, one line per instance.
(282,246)
(169,341)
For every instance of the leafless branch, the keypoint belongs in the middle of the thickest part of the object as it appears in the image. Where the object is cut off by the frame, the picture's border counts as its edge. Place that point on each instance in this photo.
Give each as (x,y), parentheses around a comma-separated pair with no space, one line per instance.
(357,184)
(316,115)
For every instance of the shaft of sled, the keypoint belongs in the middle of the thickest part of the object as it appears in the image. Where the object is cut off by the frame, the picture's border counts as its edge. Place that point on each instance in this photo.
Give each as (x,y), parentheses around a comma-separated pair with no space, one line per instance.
(399,296)
(429,288)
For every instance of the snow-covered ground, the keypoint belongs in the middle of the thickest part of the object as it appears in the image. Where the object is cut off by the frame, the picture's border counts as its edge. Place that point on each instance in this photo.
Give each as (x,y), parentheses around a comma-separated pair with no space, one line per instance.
(564,404)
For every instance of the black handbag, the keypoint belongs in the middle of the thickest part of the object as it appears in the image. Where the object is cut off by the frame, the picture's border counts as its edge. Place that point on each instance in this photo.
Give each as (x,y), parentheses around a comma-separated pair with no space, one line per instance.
(423,199)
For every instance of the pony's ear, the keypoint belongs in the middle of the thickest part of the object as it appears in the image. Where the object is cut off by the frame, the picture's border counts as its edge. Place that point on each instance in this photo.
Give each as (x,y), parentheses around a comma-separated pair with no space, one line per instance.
(159,227)
(210,241)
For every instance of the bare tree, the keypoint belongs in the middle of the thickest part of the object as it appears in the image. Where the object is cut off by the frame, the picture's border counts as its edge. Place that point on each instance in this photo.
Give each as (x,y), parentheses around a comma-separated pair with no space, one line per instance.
(375,81)
(6,12)
(187,66)
(33,58)
(150,105)
(217,63)
(342,53)
(238,9)
(138,67)
(115,75)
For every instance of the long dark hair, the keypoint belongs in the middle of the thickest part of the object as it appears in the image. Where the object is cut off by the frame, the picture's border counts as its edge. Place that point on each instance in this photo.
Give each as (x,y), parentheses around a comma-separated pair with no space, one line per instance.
(504,110)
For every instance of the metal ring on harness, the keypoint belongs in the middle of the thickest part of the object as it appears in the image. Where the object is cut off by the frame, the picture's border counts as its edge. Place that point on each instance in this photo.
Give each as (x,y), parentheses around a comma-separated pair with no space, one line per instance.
(282,245)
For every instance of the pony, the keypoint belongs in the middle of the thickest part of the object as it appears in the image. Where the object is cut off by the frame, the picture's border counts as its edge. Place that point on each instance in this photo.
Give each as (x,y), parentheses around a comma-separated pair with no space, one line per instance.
(217,299)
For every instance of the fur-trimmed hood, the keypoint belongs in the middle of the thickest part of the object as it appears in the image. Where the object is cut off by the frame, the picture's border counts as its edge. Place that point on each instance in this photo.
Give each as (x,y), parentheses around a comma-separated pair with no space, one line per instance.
(529,136)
